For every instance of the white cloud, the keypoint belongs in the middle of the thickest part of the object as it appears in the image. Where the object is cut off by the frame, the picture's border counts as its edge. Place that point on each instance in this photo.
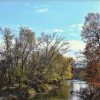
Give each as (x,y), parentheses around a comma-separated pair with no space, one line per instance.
(41,10)
(74,30)
(70,54)
(73,34)
(54,30)
(58,30)
(77,26)
(46,31)
(76,45)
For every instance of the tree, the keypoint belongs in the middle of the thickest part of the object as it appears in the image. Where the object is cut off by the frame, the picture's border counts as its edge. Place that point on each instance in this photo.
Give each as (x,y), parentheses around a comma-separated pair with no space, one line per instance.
(91,36)
(23,48)
(46,55)
(7,57)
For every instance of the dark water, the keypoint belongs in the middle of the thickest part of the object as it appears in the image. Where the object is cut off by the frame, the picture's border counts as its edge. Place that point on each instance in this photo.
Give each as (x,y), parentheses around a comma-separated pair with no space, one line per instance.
(63,93)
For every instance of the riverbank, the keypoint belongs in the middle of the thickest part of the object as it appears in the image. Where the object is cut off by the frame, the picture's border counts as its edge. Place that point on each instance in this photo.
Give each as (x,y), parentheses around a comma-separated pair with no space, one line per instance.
(49,87)
(52,92)
(15,93)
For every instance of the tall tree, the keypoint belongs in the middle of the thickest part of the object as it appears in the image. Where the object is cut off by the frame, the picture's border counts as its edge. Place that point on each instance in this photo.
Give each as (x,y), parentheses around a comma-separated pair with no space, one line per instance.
(6,57)
(91,36)
(23,48)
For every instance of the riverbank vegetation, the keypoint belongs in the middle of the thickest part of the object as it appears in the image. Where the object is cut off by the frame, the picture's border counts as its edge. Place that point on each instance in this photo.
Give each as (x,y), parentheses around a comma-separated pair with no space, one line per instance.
(31,63)
(91,36)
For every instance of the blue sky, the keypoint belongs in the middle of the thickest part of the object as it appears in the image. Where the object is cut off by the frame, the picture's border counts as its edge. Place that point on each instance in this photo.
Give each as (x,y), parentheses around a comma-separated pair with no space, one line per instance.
(63,16)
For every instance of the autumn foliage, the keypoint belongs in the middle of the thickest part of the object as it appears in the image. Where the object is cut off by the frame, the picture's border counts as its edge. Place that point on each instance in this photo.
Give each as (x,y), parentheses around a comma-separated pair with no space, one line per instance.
(91,36)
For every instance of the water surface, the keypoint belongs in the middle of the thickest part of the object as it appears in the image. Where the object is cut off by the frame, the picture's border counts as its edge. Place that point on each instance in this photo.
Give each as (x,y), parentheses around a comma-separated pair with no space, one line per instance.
(65,92)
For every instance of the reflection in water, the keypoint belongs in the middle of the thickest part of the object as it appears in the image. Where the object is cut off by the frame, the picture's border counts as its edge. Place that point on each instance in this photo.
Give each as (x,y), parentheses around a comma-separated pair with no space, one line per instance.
(76,86)
(63,93)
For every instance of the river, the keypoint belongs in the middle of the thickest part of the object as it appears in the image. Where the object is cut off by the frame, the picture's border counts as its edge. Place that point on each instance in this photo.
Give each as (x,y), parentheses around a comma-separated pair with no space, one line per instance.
(63,93)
